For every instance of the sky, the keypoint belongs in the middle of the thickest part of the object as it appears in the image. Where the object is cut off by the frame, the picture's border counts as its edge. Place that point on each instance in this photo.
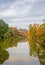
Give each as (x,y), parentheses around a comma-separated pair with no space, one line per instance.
(22,13)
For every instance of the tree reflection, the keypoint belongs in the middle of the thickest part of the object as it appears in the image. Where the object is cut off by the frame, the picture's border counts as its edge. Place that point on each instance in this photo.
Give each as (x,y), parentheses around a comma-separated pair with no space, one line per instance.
(36,38)
(4,55)
(39,51)
(7,43)
(10,42)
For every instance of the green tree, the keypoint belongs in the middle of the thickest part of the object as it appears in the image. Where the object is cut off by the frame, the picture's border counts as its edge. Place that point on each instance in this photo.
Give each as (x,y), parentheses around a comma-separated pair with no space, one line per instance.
(3,29)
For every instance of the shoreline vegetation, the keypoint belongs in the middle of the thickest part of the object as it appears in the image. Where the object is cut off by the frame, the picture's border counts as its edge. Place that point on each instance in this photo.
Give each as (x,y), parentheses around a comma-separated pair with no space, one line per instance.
(10,32)
(35,34)
(36,39)
(10,37)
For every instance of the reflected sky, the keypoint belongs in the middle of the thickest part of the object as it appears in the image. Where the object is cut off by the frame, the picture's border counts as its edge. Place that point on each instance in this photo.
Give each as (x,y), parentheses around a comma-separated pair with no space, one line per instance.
(20,55)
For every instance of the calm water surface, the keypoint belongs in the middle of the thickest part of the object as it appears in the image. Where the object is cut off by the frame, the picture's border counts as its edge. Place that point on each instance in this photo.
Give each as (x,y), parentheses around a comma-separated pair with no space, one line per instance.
(19,55)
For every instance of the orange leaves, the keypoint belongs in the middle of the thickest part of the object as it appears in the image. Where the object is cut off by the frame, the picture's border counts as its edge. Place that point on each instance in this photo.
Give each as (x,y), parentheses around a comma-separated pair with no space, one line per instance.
(36,33)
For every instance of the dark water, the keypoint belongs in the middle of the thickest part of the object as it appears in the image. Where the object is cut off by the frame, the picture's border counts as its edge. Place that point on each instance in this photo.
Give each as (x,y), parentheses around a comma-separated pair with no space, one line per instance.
(18,53)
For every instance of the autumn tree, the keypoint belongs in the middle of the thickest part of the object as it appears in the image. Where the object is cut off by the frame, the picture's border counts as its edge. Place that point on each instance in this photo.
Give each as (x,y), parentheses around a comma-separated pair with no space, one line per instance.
(37,41)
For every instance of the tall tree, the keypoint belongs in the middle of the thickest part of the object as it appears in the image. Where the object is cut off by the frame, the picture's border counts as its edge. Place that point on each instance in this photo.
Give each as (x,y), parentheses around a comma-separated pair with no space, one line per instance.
(3,28)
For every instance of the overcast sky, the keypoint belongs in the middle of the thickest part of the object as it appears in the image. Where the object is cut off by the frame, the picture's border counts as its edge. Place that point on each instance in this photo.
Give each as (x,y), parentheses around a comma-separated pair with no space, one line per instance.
(21,13)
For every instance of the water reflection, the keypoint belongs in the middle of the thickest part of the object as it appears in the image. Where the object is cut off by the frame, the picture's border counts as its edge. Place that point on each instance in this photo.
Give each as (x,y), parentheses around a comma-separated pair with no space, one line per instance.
(20,55)
(7,43)
(38,51)
(21,52)
(4,55)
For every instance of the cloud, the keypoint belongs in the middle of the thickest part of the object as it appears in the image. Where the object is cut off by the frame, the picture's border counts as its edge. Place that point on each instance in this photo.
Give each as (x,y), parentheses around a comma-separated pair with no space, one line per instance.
(18,7)
(25,11)
(39,9)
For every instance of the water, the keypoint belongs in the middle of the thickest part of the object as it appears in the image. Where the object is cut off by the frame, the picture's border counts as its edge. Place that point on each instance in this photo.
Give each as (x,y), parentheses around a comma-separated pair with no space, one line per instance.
(19,55)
